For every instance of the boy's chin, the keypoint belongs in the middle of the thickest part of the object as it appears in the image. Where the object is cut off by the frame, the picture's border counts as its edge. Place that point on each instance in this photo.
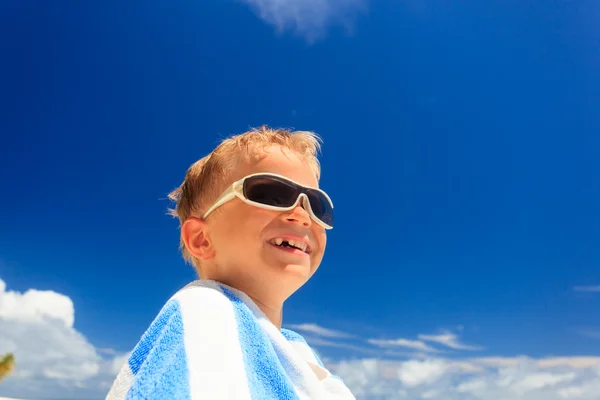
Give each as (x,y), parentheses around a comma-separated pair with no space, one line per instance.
(290,268)
(297,273)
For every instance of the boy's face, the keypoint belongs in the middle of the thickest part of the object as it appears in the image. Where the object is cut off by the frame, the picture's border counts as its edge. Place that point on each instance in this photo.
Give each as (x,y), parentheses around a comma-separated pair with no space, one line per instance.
(241,236)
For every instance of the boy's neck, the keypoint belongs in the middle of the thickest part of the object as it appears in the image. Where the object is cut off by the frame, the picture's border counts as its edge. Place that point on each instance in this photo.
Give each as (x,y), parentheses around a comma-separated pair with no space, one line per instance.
(273,312)
(275,315)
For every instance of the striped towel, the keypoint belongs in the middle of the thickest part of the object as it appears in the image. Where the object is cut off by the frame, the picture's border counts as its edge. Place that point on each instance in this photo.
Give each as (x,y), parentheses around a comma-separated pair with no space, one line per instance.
(211,341)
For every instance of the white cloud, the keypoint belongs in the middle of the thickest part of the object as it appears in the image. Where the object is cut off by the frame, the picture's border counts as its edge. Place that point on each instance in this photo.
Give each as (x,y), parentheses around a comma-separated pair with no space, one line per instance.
(499,378)
(319,330)
(541,380)
(448,339)
(410,344)
(34,306)
(308,18)
(53,359)
(416,372)
(587,288)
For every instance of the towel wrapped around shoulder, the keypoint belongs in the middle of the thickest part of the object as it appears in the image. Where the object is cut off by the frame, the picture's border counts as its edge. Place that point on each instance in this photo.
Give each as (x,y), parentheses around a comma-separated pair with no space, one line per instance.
(211,341)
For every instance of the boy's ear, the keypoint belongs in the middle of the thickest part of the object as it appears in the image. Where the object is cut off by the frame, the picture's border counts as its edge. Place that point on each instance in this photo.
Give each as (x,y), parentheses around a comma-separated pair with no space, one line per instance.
(196,240)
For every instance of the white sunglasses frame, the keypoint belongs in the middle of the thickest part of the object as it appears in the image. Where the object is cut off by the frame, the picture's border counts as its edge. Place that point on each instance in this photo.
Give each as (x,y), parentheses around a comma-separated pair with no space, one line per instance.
(237,190)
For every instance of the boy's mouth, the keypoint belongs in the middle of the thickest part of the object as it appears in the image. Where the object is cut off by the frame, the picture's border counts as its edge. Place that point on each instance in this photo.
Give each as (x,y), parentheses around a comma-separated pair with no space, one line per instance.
(291,244)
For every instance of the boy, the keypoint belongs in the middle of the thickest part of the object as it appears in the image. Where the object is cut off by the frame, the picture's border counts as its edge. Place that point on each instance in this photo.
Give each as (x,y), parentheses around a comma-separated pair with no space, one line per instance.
(253,224)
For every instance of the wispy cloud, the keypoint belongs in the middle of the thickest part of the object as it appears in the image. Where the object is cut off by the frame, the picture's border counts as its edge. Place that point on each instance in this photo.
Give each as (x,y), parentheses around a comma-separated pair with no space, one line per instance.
(321,337)
(319,343)
(319,330)
(444,338)
(407,343)
(307,18)
(450,340)
(317,336)
(595,288)
(589,333)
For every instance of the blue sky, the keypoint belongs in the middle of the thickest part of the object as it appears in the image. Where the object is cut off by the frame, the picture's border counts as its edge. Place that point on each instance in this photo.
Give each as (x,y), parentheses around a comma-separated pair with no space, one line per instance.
(460,149)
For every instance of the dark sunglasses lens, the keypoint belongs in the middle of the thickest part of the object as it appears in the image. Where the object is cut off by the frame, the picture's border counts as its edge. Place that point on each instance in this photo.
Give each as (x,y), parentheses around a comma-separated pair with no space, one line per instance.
(320,206)
(270,191)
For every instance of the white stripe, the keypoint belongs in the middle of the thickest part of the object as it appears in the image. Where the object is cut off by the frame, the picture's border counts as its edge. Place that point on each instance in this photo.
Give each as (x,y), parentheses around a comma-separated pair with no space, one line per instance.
(305,351)
(277,339)
(215,361)
(308,388)
(311,387)
(122,384)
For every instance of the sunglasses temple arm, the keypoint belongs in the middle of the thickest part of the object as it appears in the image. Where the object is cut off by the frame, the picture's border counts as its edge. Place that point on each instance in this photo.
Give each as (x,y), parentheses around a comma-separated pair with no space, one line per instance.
(224,198)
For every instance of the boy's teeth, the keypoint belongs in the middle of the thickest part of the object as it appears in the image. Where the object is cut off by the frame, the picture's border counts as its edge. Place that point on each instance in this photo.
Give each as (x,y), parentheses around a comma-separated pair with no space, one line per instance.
(292,243)
(301,246)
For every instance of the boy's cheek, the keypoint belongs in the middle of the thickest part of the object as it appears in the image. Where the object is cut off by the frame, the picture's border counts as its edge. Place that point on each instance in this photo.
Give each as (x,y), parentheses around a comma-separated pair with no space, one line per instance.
(318,256)
(322,239)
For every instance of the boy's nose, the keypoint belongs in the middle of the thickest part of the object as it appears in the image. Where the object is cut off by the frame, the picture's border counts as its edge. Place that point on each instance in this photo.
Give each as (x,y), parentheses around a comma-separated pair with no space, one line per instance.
(299,215)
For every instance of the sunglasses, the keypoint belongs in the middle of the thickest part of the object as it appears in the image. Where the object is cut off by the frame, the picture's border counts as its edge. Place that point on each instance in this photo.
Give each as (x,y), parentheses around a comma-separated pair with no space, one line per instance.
(278,193)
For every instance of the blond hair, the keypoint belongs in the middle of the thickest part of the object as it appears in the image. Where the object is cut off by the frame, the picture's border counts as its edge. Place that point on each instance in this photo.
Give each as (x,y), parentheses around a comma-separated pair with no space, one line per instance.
(209,174)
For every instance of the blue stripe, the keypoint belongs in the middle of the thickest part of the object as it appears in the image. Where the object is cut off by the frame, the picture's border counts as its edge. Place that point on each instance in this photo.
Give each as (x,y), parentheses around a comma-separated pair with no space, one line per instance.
(292,336)
(146,343)
(295,337)
(266,376)
(292,372)
(159,361)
